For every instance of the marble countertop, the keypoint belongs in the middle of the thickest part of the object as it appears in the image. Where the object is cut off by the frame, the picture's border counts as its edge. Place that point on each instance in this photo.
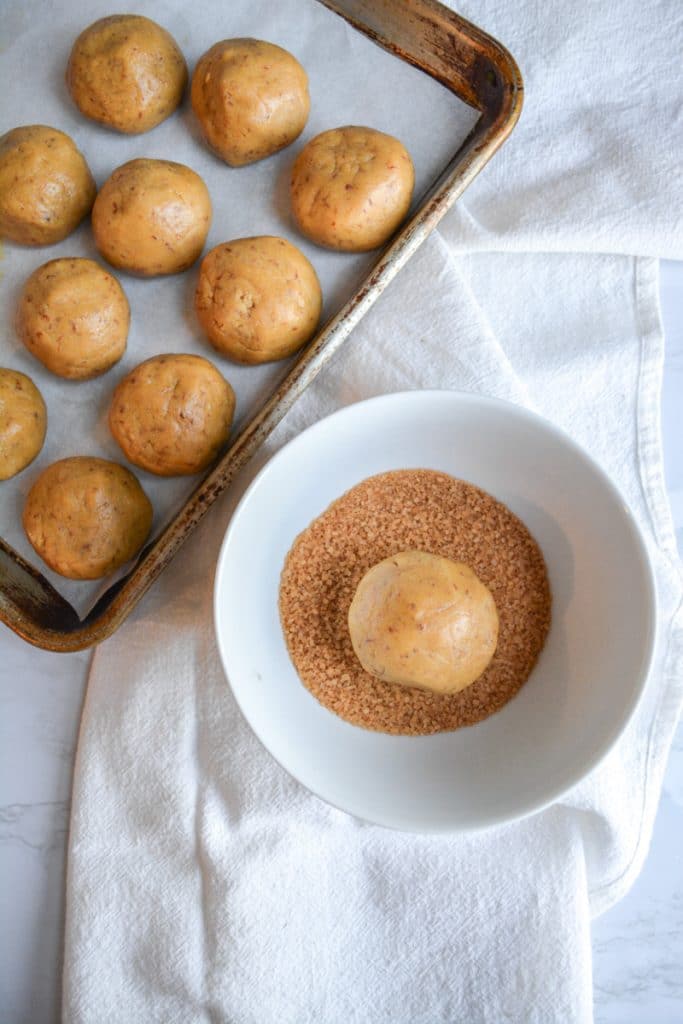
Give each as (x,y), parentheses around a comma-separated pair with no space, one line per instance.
(638,945)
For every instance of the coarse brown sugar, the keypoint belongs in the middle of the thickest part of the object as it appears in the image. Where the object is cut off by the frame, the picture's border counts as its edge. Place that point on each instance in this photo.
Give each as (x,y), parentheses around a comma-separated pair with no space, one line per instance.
(427,511)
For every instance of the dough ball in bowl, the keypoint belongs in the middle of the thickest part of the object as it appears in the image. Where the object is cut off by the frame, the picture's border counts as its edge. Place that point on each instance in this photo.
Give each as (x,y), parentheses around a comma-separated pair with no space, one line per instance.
(23,422)
(172,414)
(85,517)
(152,217)
(351,188)
(46,188)
(73,316)
(257,299)
(425,621)
(251,99)
(126,72)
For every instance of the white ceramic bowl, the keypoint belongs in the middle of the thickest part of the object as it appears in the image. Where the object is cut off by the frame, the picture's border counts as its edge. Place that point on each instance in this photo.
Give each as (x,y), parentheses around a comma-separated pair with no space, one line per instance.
(589,676)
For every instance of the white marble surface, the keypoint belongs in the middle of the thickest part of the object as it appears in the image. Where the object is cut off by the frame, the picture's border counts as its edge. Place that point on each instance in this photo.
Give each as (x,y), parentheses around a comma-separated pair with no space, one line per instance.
(638,962)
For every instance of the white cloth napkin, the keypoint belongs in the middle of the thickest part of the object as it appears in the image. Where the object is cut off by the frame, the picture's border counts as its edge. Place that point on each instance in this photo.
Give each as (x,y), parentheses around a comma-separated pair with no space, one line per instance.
(204,884)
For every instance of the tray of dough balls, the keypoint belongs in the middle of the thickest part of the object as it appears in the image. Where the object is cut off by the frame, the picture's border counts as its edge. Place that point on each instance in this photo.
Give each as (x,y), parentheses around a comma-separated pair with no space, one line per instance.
(183,202)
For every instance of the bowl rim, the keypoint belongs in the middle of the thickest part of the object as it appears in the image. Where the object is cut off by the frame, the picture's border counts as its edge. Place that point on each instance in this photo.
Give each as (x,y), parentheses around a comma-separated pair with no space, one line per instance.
(531,806)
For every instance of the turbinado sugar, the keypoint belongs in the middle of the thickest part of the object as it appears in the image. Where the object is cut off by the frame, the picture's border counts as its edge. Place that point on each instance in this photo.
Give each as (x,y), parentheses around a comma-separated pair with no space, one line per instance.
(427,511)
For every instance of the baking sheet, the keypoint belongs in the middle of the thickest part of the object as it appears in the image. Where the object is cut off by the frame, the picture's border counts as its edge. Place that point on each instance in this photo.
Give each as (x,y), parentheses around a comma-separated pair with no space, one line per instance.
(351,80)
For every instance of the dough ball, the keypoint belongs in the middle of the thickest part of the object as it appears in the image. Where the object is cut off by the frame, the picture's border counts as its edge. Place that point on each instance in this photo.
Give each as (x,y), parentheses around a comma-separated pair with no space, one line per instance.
(127,72)
(258,299)
(74,317)
(351,188)
(251,99)
(152,217)
(23,422)
(85,517)
(172,414)
(422,620)
(46,188)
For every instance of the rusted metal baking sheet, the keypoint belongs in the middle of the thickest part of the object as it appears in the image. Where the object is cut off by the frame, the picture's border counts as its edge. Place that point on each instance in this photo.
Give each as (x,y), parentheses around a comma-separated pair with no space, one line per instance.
(479,71)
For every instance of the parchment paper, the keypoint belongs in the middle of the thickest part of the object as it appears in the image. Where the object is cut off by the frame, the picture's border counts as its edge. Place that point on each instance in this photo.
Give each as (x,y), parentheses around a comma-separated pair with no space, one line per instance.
(352,81)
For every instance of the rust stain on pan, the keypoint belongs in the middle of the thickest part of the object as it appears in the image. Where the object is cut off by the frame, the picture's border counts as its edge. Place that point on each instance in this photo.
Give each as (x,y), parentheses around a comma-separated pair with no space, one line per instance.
(479,71)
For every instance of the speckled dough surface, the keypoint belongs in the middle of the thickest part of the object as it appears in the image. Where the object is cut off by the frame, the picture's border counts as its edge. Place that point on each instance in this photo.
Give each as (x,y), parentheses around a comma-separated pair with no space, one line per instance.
(23,422)
(46,188)
(152,217)
(85,517)
(397,511)
(419,619)
(257,299)
(351,187)
(172,414)
(73,316)
(250,98)
(126,72)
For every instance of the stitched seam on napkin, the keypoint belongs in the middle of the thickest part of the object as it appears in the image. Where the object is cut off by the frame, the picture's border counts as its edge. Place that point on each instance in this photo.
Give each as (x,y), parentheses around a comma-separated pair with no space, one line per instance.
(665,720)
(651,476)
(649,435)
(201,865)
(69,992)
